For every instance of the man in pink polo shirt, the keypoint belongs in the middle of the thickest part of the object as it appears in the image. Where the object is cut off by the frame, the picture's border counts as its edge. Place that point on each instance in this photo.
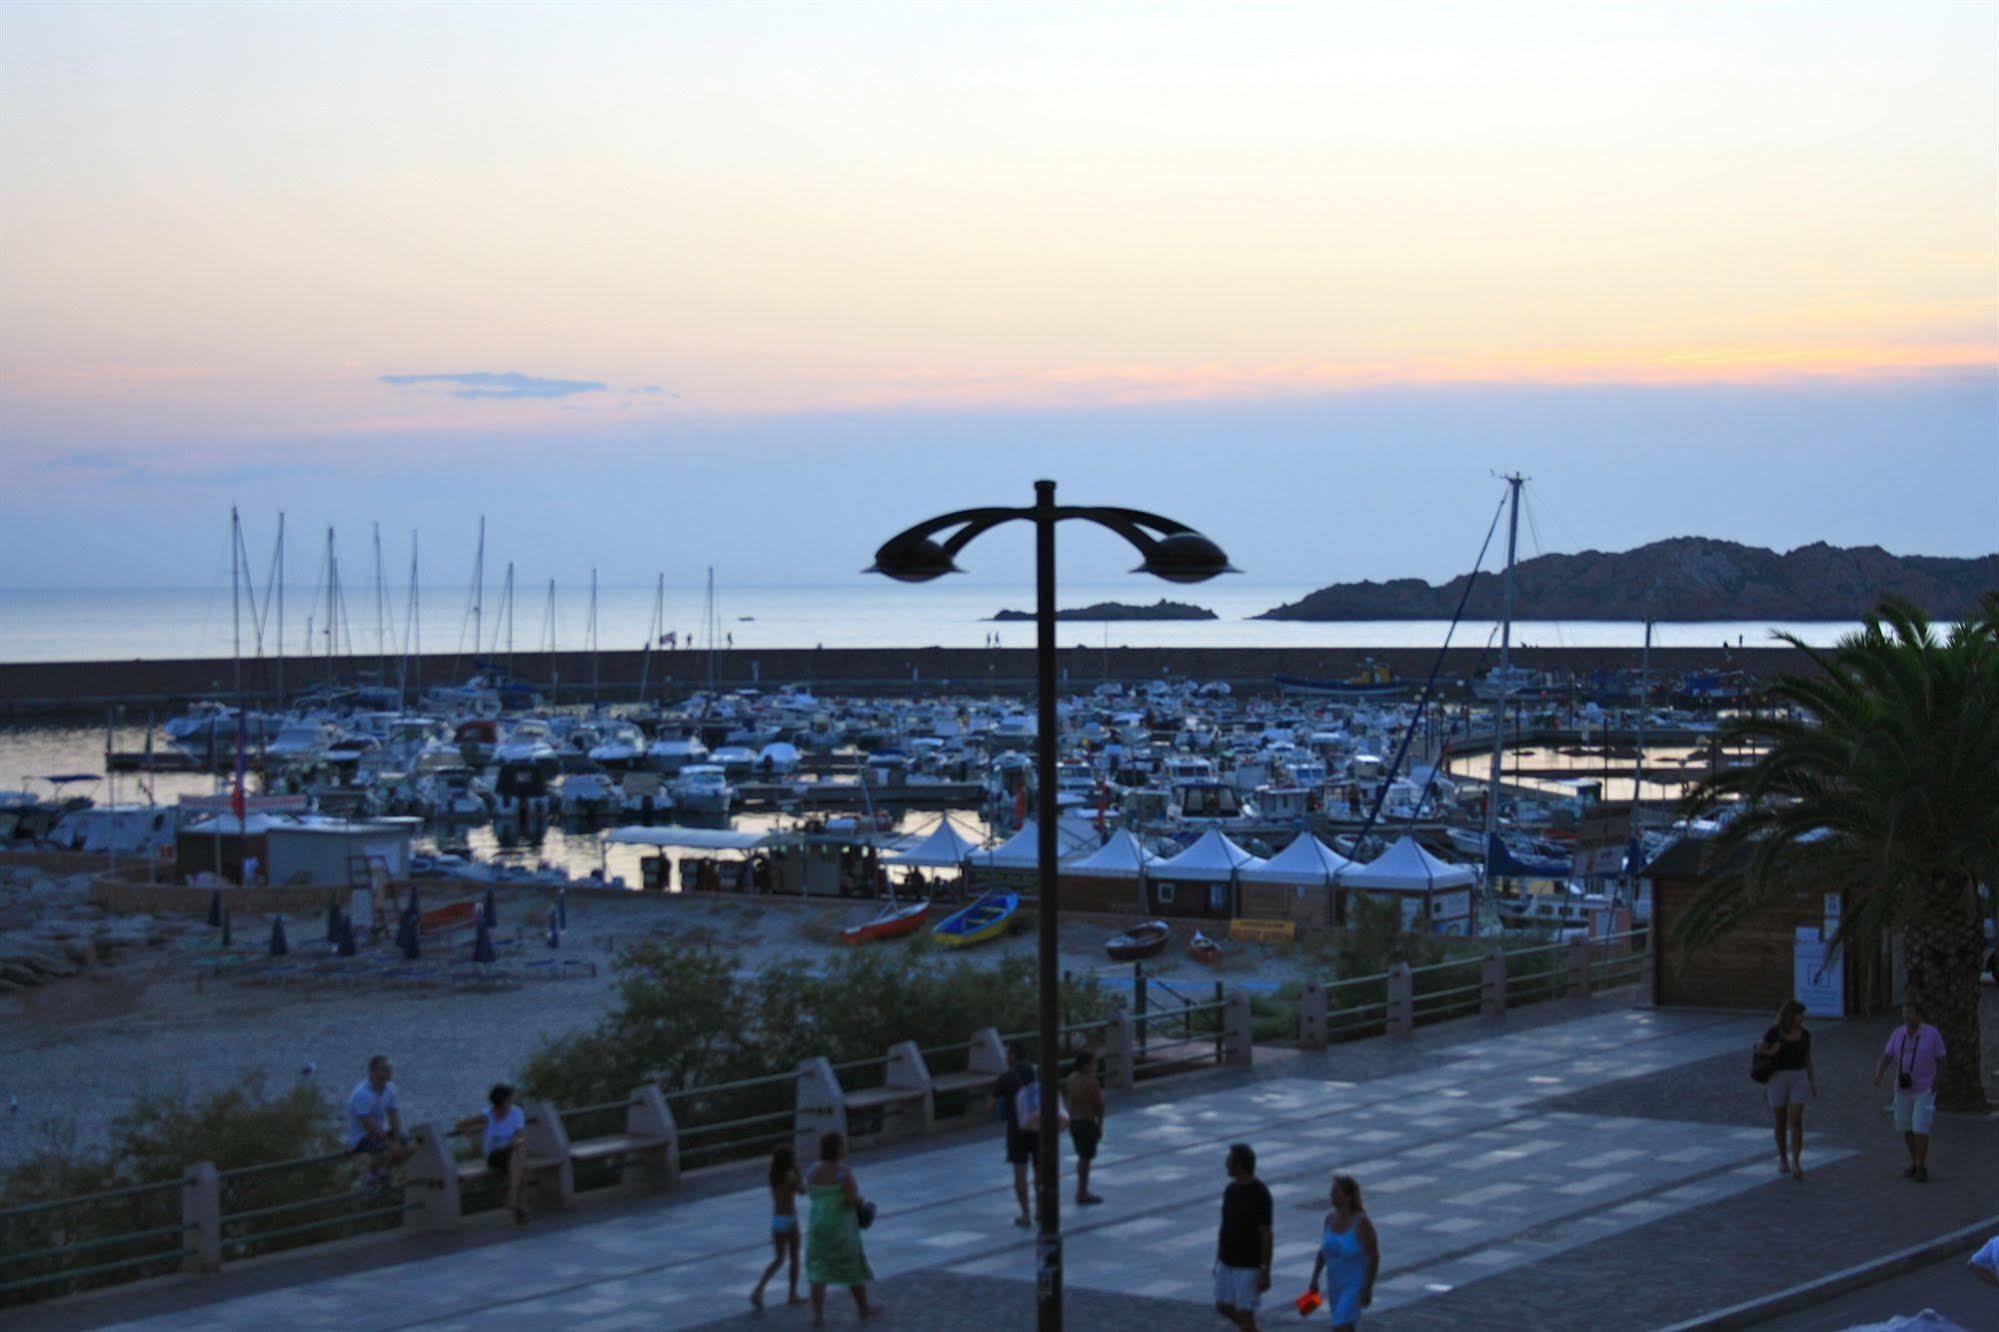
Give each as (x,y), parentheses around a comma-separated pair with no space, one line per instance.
(1915,1052)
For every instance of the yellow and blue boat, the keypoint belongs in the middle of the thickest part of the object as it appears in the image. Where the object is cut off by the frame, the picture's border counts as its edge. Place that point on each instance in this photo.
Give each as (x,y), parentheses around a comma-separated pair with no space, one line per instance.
(987,918)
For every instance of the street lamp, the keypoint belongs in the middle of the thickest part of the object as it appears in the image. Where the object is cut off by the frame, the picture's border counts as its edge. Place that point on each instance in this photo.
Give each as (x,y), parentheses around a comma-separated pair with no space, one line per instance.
(1170,550)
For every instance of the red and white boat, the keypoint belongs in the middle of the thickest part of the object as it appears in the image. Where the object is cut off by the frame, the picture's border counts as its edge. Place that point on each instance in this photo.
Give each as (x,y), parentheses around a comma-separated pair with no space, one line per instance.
(894,922)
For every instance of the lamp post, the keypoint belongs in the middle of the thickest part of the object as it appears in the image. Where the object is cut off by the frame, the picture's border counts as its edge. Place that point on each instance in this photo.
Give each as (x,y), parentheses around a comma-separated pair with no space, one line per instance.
(1172,551)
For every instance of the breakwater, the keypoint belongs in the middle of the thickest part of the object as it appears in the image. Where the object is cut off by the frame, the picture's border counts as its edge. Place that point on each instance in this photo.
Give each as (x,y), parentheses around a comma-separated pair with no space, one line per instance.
(86,688)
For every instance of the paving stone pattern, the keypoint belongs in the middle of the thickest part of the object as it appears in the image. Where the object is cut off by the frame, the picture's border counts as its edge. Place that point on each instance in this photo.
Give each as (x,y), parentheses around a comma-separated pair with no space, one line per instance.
(1472,1173)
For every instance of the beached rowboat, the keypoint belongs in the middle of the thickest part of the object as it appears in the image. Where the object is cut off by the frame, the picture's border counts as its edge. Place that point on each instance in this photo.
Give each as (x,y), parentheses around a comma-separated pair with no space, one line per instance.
(1204,949)
(894,922)
(1139,941)
(987,918)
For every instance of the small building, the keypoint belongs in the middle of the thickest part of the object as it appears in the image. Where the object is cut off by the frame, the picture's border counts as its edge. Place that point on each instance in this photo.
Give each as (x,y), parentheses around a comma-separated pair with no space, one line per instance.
(1753,965)
(1109,879)
(358,853)
(1297,884)
(1200,882)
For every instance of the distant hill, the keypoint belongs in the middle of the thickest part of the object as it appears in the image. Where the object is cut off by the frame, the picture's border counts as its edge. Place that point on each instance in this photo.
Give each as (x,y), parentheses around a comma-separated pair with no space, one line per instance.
(1685,578)
(1118,610)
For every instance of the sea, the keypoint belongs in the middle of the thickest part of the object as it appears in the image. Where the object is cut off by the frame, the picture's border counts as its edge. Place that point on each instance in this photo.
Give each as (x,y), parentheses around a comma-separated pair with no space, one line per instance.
(123,624)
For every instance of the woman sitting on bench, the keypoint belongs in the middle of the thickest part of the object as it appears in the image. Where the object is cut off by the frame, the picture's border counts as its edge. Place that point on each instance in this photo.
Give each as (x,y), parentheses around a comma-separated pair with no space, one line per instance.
(503,1142)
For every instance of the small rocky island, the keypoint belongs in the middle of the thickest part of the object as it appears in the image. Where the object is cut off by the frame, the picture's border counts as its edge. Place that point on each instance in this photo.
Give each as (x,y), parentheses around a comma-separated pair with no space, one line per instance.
(1118,610)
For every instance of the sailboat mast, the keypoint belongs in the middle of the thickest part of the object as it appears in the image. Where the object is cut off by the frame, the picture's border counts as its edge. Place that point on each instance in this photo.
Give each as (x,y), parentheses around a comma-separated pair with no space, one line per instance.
(713,623)
(478,589)
(596,697)
(414,645)
(507,615)
(381,608)
(281,608)
(332,601)
(1505,682)
(655,628)
(236,604)
(1644,705)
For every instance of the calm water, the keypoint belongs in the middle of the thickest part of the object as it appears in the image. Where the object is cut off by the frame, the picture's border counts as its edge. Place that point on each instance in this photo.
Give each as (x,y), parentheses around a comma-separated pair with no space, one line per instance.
(152,623)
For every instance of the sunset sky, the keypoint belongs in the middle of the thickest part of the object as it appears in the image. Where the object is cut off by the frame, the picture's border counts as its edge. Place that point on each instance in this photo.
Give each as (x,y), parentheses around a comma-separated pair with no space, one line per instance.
(657,286)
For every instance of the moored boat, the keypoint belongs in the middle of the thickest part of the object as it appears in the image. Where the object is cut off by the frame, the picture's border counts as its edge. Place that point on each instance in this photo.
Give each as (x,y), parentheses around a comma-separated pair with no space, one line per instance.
(1140,941)
(987,918)
(894,922)
(1203,949)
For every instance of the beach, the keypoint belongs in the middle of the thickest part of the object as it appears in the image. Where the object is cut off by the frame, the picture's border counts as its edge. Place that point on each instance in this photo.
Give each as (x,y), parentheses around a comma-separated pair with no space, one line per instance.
(77,1052)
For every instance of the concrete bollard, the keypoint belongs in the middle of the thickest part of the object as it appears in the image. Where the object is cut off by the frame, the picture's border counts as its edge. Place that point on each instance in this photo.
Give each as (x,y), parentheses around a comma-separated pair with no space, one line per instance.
(1492,985)
(820,1107)
(201,1214)
(1312,1024)
(648,1118)
(1120,1053)
(1580,981)
(432,1177)
(908,1071)
(1401,1000)
(1238,1044)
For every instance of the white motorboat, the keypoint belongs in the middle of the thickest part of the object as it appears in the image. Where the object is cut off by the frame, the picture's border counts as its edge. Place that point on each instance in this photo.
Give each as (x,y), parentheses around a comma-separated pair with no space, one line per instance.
(673,753)
(703,788)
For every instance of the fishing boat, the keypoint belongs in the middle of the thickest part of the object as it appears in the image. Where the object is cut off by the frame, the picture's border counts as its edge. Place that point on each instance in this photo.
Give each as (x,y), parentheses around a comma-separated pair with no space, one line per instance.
(893,922)
(987,918)
(1140,941)
(1203,949)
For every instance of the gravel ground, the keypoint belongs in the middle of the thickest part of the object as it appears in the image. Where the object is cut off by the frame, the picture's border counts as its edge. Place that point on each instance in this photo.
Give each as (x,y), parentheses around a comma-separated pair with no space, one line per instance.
(75,1053)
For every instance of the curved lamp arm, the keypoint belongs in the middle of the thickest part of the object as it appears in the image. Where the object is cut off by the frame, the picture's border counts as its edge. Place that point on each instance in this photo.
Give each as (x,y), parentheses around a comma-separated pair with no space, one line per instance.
(1178,553)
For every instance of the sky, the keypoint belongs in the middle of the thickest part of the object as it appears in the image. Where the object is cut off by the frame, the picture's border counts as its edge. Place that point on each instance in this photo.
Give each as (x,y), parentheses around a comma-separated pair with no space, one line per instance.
(655,287)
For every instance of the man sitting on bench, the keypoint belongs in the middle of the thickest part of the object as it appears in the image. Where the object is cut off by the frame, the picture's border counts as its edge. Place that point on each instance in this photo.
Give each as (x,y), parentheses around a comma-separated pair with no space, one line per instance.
(374,1125)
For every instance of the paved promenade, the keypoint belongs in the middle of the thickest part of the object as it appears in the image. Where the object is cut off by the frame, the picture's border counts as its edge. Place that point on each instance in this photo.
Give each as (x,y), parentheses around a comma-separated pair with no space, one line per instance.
(1606,1171)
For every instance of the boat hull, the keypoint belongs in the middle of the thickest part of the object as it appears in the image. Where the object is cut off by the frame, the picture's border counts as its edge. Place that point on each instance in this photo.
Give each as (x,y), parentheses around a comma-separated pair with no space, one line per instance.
(895,925)
(1147,940)
(987,918)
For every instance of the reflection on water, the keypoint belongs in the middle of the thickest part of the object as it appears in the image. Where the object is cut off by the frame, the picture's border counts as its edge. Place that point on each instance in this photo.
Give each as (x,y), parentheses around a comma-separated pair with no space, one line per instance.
(1670,771)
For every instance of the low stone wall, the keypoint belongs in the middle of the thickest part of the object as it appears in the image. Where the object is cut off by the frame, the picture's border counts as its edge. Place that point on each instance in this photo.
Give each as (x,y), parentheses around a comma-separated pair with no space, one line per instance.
(159,899)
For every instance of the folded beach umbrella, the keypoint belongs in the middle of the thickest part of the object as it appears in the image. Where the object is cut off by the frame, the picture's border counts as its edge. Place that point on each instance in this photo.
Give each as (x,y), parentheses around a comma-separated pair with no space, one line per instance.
(215,907)
(413,908)
(279,944)
(333,920)
(489,914)
(554,928)
(482,946)
(405,931)
(562,907)
(411,939)
(345,948)
(227,937)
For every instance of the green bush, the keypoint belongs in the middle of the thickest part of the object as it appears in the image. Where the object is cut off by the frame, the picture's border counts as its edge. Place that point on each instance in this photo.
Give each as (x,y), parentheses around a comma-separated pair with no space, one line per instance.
(155,1141)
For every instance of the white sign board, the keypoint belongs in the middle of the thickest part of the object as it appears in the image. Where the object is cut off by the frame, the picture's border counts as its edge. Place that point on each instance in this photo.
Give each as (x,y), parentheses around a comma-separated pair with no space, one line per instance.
(1818,982)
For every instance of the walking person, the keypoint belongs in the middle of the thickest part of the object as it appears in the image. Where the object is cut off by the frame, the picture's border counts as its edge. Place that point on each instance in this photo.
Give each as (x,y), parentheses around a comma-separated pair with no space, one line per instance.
(1794,1081)
(1349,1255)
(833,1253)
(1023,1149)
(787,1186)
(1242,1249)
(1915,1051)
(1086,1122)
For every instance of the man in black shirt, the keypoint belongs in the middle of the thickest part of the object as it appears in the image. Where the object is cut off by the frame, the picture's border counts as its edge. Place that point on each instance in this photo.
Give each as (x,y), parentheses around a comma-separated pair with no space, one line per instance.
(1242,1251)
(1022,1145)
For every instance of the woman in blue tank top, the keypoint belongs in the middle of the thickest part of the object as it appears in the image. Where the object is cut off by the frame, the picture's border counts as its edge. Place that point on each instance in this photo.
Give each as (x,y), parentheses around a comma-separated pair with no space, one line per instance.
(1349,1256)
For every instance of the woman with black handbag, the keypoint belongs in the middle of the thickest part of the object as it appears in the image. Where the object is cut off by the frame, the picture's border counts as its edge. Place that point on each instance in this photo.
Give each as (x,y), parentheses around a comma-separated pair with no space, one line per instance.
(1782,1062)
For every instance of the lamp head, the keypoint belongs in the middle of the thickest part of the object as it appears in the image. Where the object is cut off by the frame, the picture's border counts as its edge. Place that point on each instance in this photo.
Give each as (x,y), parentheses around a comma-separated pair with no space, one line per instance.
(912,559)
(1185,557)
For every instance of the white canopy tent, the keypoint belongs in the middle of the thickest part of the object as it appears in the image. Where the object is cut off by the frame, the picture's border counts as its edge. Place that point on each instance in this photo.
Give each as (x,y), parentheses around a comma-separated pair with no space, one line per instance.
(1307,860)
(1212,857)
(1122,857)
(1406,867)
(691,839)
(944,848)
(1022,851)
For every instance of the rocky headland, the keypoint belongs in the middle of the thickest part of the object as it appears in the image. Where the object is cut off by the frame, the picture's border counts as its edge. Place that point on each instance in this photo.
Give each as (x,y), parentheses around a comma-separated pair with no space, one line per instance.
(1685,578)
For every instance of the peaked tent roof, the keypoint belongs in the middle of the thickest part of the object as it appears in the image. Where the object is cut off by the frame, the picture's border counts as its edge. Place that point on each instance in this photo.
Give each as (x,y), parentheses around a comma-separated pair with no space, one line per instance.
(1213,856)
(1023,850)
(1407,867)
(1122,857)
(944,848)
(1306,860)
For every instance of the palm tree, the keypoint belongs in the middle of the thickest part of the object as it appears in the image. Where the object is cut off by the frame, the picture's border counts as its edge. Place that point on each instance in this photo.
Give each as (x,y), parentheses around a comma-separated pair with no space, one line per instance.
(1878,774)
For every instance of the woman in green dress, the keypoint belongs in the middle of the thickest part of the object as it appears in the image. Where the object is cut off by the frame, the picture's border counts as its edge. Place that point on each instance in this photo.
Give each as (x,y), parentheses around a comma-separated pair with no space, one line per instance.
(833,1254)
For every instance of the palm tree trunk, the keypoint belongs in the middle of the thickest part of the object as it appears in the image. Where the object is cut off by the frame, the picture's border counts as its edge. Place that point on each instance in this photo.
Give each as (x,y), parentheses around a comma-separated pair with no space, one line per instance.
(1944,950)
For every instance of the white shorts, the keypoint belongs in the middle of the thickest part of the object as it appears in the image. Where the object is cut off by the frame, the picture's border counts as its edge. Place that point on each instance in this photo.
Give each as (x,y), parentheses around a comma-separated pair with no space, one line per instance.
(1915,1111)
(1787,1086)
(1237,1286)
